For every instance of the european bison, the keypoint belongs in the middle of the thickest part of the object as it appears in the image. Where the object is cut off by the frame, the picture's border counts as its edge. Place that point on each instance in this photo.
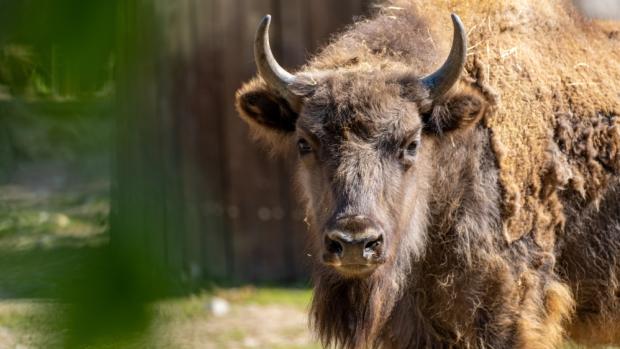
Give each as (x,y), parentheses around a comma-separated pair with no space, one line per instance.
(473,206)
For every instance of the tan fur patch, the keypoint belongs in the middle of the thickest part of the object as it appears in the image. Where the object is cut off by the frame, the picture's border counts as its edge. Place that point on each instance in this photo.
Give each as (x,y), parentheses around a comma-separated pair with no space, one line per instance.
(541,326)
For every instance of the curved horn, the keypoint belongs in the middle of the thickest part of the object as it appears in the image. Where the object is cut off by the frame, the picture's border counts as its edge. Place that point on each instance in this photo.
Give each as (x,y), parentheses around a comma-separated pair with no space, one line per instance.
(445,77)
(268,68)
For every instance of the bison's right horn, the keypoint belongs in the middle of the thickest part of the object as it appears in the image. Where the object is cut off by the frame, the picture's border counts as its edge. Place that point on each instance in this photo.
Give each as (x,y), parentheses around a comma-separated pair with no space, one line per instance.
(440,82)
(274,75)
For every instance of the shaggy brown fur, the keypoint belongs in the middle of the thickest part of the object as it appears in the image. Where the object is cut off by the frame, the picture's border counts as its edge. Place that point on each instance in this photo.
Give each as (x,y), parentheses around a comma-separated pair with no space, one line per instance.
(471,211)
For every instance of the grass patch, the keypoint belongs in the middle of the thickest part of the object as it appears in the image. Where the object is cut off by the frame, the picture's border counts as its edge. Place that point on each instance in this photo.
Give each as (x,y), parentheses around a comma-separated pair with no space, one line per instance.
(294,297)
(27,323)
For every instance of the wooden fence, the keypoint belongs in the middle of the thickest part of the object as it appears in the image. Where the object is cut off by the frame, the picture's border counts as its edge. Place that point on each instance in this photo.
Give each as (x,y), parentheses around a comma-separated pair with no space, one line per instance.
(223,207)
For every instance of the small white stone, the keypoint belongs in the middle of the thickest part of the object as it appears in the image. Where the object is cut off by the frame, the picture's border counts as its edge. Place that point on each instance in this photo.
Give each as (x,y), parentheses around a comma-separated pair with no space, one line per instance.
(219,306)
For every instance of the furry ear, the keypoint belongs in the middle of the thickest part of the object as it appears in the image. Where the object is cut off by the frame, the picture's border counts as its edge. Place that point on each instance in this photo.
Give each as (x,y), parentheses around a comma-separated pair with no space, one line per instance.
(460,110)
(269,116)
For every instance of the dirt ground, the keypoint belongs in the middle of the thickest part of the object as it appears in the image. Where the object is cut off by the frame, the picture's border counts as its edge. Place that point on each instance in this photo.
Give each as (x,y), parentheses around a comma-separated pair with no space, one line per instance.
(264,318)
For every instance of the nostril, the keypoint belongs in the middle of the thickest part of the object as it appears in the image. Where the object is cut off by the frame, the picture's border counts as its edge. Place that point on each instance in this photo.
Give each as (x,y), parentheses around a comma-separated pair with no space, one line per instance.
(373,245)
(333,246)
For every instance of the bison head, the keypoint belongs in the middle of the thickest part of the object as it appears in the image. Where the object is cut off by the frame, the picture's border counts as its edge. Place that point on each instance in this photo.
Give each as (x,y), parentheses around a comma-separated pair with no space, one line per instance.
(366,139)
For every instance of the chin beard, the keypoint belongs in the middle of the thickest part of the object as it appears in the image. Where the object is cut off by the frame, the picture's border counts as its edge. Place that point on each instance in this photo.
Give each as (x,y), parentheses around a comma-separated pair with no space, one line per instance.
(351,312)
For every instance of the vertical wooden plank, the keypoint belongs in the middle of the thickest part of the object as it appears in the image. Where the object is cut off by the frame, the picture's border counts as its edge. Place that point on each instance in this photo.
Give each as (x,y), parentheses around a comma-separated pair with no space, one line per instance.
(326,18)
(290,28)
(185,88)
(201,135)
(252,189)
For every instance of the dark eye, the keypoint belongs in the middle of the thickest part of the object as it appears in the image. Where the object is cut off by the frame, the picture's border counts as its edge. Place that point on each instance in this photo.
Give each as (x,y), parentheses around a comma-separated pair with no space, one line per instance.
(409,149)
(412,147)
(303,147)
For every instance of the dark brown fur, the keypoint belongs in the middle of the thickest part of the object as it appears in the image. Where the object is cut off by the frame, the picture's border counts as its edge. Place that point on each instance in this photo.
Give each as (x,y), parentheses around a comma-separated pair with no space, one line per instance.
(451,278)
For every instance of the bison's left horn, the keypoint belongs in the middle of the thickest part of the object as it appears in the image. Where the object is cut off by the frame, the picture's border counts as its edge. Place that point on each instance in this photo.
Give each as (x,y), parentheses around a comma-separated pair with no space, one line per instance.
(276,77)
(443,79)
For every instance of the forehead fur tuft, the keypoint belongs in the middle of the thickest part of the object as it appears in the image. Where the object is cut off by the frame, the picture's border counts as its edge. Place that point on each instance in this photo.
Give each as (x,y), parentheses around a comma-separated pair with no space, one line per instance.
(369,103)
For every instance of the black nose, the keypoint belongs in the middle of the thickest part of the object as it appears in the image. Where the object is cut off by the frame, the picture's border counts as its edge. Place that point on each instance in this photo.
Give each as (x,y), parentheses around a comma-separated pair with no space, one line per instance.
(354,242)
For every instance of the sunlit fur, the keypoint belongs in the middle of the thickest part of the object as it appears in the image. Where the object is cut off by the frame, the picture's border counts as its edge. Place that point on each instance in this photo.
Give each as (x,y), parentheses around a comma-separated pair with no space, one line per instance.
(451,278)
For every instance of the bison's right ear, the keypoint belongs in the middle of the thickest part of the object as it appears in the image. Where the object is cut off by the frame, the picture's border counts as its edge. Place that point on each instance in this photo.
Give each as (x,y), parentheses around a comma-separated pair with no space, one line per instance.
(460,110)
(269,116)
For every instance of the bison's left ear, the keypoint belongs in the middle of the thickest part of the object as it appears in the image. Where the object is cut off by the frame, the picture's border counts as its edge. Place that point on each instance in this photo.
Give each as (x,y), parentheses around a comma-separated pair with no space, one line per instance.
(460,110)
(261,107)
(270,117)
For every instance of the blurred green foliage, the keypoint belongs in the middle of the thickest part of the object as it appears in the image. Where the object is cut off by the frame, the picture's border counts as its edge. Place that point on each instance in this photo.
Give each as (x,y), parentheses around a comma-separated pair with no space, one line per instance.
(57,59)
(57,47)
(108,298)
